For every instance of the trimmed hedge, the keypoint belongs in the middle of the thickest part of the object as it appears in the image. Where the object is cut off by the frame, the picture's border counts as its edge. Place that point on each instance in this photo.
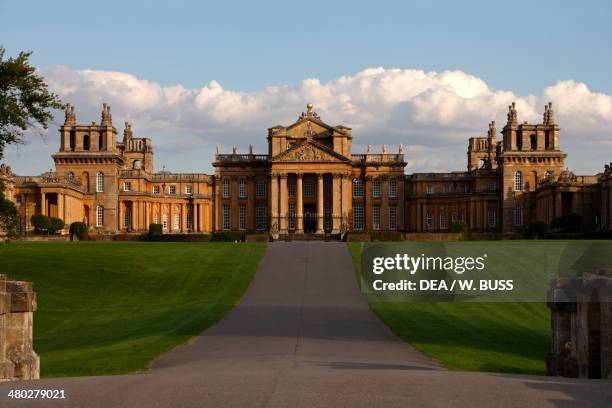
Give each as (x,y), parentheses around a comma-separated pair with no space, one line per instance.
(79,229)
(536,229)
(228,236)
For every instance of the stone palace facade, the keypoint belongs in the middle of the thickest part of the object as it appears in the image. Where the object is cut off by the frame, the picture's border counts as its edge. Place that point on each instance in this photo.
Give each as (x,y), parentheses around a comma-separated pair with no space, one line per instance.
(309,181)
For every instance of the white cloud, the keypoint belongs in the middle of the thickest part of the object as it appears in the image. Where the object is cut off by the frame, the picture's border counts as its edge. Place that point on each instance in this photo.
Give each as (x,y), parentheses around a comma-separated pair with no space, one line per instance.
(432,113)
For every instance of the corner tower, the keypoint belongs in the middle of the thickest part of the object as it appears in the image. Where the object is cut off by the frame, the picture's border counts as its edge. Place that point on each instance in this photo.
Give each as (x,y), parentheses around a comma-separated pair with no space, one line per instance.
(530,152)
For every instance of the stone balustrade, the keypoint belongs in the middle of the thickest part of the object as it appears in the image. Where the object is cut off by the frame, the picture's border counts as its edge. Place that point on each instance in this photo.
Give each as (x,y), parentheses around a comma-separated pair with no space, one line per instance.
(18,361)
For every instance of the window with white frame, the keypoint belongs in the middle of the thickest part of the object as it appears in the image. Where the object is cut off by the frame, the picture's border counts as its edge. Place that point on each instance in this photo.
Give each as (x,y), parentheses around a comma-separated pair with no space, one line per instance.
(260,188)
(430,221)
(518,181)
(165,221)
(155,218)
(393,218)
(291,221)
(242,188)
(357,187)
(430,189)
(188,189)
(100,182)
(173,189)
(260,217)
(376,188)
(492,218)
(392,187)
(156,190)
(242,217)
(442,220)
(376,217)
(127,186)
(358,217)
(518,215)
(226,217)
(226,188)
(99,216)
(177,222)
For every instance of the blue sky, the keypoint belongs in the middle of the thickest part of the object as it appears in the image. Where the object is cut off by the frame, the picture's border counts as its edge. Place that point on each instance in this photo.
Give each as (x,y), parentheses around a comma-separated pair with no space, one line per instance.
(517,47)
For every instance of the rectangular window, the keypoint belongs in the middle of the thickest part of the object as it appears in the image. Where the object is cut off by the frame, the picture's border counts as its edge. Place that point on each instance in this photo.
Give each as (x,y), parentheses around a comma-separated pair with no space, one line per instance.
(518,215)
(392,187)
(442,220)
(328,186)
(291,216)
(156,190)
(242,189)
(127,186)
(358,217)
(189,190)
(165,221)
(260,188)
(376,217)
(127,219)
(226,188)
(260,217)
(189,219)
(492,217)
(226,217)
(173,189)
(100,216)
(493,185)
(393,218)
(177,221)
(357,188)
(17,199)
(376,188)
(429,225)
(155,218)
(430,189)
(309,188)
(446,189)
(242,217)
(291,186)
(100,183)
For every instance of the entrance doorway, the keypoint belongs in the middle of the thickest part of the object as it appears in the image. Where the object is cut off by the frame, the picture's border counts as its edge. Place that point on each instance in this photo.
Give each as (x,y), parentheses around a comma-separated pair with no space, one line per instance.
(310,218)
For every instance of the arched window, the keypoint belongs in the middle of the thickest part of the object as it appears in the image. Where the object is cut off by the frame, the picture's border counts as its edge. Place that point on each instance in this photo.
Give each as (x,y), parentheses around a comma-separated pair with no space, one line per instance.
(242,188)
(99,216)
(100,183)
(357,187)
(533,142)
(518,181)
(226,188)
(86,143)
(376,188)
(392,187)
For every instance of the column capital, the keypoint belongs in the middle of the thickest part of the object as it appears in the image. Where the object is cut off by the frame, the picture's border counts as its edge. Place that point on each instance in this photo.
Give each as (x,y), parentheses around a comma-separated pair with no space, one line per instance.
(336,175)
(274,174)
(320,176)
(345,176)
(283,175)
(299,175)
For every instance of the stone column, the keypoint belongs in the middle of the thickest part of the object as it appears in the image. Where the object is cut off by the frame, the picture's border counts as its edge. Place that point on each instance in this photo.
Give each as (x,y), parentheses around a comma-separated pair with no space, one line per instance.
(274,202)
(284,203)
(170,217)
(43,204)
(184,210)
(336,210)
(300,204)
(320,203)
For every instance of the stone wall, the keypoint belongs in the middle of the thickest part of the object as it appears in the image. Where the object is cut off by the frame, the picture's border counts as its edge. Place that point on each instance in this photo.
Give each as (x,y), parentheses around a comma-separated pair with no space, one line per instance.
(581,325)
(18,361)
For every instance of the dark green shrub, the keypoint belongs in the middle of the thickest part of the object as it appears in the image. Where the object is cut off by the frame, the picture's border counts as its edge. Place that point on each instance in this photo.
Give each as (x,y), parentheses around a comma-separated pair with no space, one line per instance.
(459,227)
(227,236)
(79,230)
(9,218)
(536,229)
(55,224)
(40,222)
(156,229)
(567,223)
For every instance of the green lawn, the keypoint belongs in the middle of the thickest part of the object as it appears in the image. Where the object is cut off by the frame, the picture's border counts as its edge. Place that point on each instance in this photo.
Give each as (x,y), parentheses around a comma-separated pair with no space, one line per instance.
(110,308)
(497,337)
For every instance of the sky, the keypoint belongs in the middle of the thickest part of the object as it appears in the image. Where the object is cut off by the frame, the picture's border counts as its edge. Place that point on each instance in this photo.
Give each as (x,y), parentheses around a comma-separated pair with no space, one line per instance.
(429,75)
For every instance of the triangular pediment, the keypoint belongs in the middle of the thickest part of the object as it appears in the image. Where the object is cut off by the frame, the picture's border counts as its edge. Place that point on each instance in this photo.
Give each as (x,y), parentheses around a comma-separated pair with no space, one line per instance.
(309,127)
(309,151)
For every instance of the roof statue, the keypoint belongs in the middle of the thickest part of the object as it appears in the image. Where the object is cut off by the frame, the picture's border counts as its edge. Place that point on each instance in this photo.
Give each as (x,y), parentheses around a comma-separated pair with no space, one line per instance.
(70,115)
(107,118)
(512,115)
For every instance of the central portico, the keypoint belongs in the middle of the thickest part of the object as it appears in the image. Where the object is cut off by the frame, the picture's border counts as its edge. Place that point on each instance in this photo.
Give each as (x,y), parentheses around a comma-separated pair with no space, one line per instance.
(309,182)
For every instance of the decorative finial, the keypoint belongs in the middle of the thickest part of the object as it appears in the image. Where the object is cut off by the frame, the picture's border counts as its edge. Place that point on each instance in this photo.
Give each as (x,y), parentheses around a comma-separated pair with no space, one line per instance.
(369,149)
(127,132)
(512,115)
(401,148)
(309,107)
(492,130)
(70,115)
(234,149)
(250,149)
(107,118)
(218,150)
(384,149)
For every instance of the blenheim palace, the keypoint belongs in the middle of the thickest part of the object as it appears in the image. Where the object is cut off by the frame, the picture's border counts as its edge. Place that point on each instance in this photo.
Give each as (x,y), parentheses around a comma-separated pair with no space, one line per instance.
(309,181)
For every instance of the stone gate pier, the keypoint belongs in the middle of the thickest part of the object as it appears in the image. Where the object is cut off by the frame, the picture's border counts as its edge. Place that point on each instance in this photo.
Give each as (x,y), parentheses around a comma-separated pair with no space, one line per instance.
(18,361)
(581,324)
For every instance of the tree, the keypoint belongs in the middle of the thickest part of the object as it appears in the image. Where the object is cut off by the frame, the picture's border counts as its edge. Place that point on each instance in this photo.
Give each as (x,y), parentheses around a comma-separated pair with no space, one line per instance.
(9,217)
(40,222)
(25,101)
(55,224)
